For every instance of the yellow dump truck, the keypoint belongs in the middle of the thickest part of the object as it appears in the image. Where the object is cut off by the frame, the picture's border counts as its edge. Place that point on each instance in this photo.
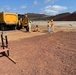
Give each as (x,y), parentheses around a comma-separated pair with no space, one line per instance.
(8,20)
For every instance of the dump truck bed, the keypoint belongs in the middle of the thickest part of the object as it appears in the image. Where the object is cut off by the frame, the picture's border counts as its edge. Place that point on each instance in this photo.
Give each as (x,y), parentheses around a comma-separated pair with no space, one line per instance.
(8,18)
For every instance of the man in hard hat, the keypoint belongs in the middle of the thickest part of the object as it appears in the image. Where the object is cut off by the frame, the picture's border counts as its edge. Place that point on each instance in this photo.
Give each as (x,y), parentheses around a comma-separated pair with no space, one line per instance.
(20,23)
(52,25)
(37,29)
(30,26)
(48,26)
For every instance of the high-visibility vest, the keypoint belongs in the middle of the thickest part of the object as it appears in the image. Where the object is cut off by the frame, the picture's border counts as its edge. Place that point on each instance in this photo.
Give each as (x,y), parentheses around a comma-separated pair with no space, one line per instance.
(52,24)
(19,22)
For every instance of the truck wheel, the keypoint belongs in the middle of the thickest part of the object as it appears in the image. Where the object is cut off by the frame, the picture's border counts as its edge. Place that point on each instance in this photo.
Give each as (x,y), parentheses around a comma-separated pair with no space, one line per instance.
(14,27)
(2,27)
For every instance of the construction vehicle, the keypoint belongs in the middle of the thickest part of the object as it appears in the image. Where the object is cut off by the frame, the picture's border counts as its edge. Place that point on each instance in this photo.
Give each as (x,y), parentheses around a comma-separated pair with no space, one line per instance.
(23,22)
(8,20)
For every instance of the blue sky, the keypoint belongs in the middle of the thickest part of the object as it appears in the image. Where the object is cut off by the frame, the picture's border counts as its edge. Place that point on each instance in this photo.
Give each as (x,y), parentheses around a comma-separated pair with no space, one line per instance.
(48,7)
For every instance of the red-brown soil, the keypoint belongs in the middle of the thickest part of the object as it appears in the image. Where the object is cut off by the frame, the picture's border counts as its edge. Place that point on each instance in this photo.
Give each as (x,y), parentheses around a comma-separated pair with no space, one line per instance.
(48,54)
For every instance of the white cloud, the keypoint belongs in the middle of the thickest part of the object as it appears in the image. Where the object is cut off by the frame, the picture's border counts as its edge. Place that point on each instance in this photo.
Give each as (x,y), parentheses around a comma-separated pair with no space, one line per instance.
(8,9)
(35,2)
(5,8)
(50,1)
(20,8)
(53,10)
(23,7)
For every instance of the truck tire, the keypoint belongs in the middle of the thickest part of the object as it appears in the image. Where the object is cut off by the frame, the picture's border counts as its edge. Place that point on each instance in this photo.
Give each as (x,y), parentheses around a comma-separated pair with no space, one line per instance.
(14,27)
(2,27)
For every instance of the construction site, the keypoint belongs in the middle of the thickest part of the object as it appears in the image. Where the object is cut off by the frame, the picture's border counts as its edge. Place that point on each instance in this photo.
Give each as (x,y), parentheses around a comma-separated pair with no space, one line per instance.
(36,53)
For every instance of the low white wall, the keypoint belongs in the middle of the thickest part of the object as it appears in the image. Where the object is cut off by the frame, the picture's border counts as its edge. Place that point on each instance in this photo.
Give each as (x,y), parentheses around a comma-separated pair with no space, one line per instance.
(57,23)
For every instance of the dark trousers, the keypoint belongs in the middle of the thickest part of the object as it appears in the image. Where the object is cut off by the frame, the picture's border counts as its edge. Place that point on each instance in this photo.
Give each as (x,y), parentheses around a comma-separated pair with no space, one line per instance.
(27,28)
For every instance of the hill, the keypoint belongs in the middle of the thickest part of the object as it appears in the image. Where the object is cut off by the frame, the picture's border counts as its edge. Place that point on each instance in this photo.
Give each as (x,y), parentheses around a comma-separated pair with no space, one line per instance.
(71,17)
(60,17)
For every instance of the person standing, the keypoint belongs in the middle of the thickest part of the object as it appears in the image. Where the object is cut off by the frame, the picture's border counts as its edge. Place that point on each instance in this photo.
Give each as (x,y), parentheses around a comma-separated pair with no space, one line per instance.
(52,25)
(48,27)
(30,26)
(20,23)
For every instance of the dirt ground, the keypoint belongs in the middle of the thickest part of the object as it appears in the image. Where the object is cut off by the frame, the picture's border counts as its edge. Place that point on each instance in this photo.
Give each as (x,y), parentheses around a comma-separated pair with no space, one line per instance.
(18,34)
(41,53)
